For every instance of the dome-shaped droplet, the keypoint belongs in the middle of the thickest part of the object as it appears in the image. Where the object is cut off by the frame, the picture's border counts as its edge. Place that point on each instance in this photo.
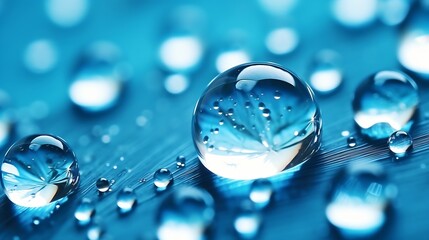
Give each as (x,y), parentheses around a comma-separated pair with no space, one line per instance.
(38,170)
(95,232)
(84,211)
(162,178)
(180,161)
(400,142)
(252,144)
(351,142)
(126,200)
(261,192)
(102,185)
(98,78)
(325,73)
(185,214)
(385,102)
(358,200)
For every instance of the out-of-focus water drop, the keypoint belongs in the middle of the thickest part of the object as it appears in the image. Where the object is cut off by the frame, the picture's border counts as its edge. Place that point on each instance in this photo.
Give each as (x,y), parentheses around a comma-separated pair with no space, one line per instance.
(180,161)
(40,56)
(176,83)
(94,232)
(126,200)
(325,73)
(38,170)
(84,212)
(277,7)
(413,49)
(282,41)
(354,13)
(400,142)
(358,200)
(393,12)
(181,53)
(102,185)
(247,223)
(98,78)
(249,145)
(385,102)
(261,192)
(162,179)
(36,221)
(231,58)
(66,13)
(185,214)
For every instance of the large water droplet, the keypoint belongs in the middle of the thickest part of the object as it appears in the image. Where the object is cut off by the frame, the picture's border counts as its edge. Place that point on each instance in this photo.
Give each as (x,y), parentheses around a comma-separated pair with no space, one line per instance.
(261,192)
(67,13)
(250,145)
(185,214)
(162,178)
(126,200)
(385,102)
(98,78)
(38,170)
(400,142)
(282,41)
(325,73)
(102,185)
(355,13)
(84,211)
(358,200)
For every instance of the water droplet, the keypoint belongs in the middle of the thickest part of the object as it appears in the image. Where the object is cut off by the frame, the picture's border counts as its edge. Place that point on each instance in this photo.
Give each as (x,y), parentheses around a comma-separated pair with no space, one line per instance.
(325,74)
(36,221)
(393,12)
(358,200)
(239,151)
(282,41)
(400,142)
(185,214)
(230,58)
(351,142)
(247,223)
(126,200)
(40,56)
(413,50)
(261,106)
(176,83)
(38,170)
(266,112)
(102,185)
(98,78)
(180,161)
(355,13)
(162,179)
(385,102)
(84,211)
(277,95)
(261,192)
(94,232)
(66,13)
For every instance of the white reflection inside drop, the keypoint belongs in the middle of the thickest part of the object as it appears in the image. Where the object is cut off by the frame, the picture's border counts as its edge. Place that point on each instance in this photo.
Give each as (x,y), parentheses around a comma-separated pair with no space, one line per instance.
(181,53)
(66,13)
(40,56)
(176,83)
(354,13)
(282,41)
(228,59)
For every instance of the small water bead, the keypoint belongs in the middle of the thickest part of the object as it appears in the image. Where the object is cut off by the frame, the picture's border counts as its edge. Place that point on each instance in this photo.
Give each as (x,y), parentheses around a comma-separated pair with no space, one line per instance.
(126,200)
(84,211)
(98,78)
(345,133)
(251,146)
(325,73)
(185,214)
(36,221)
(247,223)
(38,170)
(358,200)
(351,142)
(261,192)
(180,161)
(400,142)
(102,185)
(162,179)
(385,102)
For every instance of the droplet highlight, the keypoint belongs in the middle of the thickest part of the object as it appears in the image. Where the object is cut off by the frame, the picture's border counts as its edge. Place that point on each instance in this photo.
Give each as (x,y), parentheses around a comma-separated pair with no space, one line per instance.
(162,179)
(126,200)
(400,142)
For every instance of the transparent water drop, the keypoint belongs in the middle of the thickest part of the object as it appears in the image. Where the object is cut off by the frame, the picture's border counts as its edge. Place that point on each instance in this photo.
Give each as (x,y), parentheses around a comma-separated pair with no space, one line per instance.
(325,73)
(282,41)
(126,200)
(40,56)
(354,13)
(413,49)
(66,13)
(98,78)
(393,12)
(94,232)
(241,151)
(261,192)
(180,161)
(102,185)
(385,102)
(185,214)
(358,200)
(351,142)
(176,83)
(247,223)
(162,179)
(400,142)
(38,170)
(84,211)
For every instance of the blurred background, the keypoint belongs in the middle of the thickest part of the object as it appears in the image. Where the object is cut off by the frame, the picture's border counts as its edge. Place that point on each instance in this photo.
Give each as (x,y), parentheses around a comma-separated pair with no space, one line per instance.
(118,80)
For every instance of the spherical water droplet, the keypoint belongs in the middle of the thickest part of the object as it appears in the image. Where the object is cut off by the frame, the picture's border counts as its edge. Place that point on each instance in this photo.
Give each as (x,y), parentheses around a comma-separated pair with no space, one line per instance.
(282,41)
(94,232)
(185,214)
(126,200)
(385,102)
(98,78)
(325,73)
(351,142)
(67,13)
(393,12)
(40,56)
(261,192)
(38,170)
(162,178)
(358,200)
(180,161)
(84,211)
(240,151)
(102,185)
(266,112)
(400,142)
(355,13)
